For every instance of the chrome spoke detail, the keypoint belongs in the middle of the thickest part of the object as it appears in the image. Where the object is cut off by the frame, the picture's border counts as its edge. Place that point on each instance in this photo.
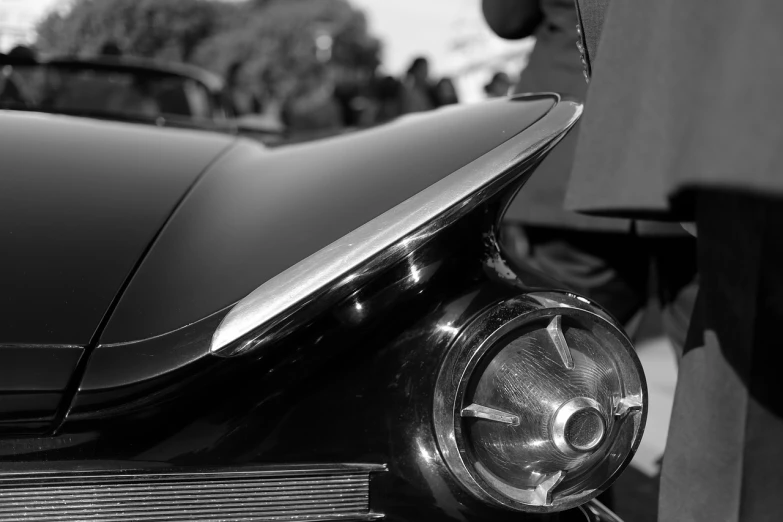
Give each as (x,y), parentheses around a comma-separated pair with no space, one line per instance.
(625,405)
(483,412)
(543,492)
(555,332)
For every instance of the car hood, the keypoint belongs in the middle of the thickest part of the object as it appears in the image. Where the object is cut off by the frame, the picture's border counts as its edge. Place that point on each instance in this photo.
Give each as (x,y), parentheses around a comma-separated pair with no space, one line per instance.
(80,203)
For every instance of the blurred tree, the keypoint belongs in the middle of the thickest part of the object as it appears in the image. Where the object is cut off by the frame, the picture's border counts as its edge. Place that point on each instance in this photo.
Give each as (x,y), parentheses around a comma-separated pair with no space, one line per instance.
(282,43)
(274,50)
(169,29)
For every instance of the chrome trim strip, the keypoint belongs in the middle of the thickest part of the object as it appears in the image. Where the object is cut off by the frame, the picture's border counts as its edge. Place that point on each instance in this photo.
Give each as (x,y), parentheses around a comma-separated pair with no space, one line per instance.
(27,346)
(281,493)
(392,235)
(478,411)
(555,332)
(63,471)
(597,512)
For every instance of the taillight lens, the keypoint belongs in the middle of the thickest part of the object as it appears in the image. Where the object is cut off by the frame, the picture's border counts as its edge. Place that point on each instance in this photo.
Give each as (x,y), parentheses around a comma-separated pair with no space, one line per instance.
(539,408)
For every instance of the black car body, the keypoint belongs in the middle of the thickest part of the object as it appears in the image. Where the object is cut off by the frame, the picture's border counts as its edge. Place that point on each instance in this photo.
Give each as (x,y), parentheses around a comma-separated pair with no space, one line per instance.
(196,327)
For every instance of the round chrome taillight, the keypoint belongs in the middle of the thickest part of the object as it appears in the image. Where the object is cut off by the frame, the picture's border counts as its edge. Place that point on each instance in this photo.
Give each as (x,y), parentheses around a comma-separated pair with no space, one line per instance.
(539,408)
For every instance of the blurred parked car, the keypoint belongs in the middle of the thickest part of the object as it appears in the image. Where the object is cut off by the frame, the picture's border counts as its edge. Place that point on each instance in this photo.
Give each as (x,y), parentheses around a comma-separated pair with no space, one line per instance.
(128,89)
(198,327)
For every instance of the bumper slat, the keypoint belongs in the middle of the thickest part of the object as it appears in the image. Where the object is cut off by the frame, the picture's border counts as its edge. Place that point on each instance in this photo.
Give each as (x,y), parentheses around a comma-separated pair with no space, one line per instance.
(339,492)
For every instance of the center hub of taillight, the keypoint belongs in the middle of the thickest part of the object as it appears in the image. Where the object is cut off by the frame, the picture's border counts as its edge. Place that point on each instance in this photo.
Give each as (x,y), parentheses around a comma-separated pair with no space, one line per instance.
(578,426)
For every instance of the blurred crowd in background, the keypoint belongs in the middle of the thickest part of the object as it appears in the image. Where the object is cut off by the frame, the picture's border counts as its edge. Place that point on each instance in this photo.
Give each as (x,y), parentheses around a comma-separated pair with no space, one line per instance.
(309,66)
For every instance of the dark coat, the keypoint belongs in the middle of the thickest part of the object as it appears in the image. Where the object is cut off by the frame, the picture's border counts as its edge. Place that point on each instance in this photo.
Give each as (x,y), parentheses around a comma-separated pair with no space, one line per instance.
(683,96)
(554,66)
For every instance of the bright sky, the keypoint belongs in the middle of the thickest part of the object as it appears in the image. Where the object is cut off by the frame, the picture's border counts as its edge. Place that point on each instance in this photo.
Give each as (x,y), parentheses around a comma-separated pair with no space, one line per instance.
(18,18)
(451,33)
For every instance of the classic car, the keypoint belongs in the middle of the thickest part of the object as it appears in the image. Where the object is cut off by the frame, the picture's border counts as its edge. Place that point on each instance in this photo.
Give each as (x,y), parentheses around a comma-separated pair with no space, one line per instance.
(198,327)
(128,89)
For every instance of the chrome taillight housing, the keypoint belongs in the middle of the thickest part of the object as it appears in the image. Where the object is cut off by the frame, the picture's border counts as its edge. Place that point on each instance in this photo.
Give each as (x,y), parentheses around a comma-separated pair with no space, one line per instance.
(540,403)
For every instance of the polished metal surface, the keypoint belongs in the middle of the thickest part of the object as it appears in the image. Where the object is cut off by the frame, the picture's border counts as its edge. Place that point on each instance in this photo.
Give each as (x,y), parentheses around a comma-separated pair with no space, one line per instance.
(581,47)
(483,412)
(80,207)
(280,493)
(356,257)
(555,332)
(33,381)
(257,212)
(597,512)
(581,415)
(578,426)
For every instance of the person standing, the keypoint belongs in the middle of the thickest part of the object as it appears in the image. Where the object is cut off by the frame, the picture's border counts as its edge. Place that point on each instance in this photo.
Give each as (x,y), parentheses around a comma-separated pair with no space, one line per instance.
(682,124)
(312,111)
(16,90)
(418,91)
(445,92)
(388,93)
(607,260)
(240,99)
(498,86)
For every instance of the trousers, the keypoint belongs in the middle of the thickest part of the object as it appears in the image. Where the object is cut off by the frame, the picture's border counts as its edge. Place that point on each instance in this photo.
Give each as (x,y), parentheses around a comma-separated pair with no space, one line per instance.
(724,452)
